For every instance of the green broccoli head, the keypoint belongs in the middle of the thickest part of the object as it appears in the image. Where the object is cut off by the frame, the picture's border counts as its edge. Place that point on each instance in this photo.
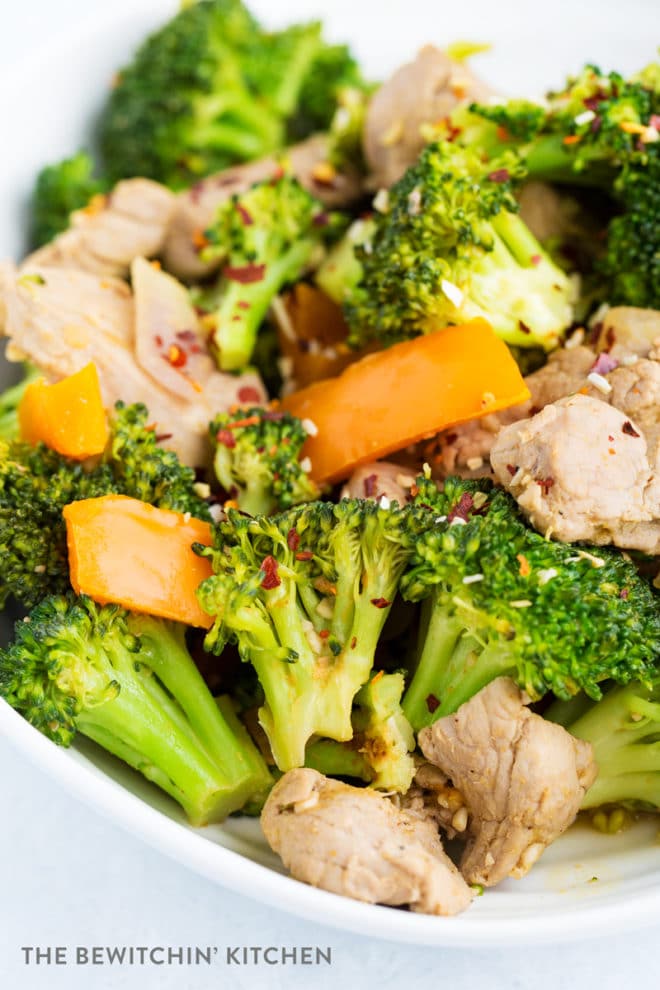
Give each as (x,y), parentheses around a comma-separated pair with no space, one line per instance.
(624,729)
(183,108)
(266,237)
(129,683)
(10,400)
(36,483)
(257,459)
(501,600)
(448,247)
(305,595)
(59,190)
(331,74)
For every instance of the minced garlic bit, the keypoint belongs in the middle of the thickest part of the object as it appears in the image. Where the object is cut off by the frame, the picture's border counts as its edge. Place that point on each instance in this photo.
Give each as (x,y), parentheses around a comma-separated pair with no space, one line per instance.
(472,578)
(474,463)
(584,118)
(381,201)
(202,489)
(415,202)
(628,360)
(599,382)
(187,517)
(547,574)
(599,315)
(310,427)
(452,292)
(306,464)
(521,603)
(487,399)
(479,499)
(384,502)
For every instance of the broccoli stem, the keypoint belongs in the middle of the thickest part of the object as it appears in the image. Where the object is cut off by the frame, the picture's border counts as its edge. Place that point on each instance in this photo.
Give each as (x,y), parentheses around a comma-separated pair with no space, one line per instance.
(244,306)
(453,666)
(624,730)
(517,237)
(186,746)
(335,759)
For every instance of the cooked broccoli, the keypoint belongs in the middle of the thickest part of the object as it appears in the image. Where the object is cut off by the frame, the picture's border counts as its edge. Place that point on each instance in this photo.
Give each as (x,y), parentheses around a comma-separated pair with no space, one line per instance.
(448,246)
(128,682)
(305,596)
(257,459)
(601,130)
(9,402)
(266,238)
(36,483)
(380,751)
(211,88)
(624,729)
(346,130)
(59,190)
(340,272)
(501,600)
(333,72)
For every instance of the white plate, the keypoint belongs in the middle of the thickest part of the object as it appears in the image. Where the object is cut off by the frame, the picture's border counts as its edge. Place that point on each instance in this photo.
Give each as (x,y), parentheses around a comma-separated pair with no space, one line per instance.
(586,884)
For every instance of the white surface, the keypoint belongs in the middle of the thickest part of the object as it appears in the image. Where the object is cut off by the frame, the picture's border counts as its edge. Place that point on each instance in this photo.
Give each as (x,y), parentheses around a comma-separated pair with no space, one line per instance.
(67,907)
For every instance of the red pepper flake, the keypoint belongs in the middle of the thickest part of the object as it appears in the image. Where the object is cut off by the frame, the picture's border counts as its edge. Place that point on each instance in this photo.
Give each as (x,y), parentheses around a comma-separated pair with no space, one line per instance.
(243,304)
(271,578)
(502,133)
(604,363)
(158,340)
(432,703)
(245,215)
(245,274)
(200,240)
(593,102)
(176,356)
(545,484)
(380,602)
(321,220)
(629,429)
(499,175)
(238,424)
(414,490)
(226,438)
(324,633)
(186,336)
(535,260)
(354,642)
(370,485)
(624,593)
(611,439)
(523,327)
(248,393)
(462,509)
(511,469)
(654,121)
(304,555)
(160,437)
(292,539)
(273,416)
(572,138)
(525,569)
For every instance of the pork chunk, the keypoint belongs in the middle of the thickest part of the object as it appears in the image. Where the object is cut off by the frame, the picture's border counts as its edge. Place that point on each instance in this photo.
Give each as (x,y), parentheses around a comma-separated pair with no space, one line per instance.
(353,841)
(423,92)
(626,330)
(131,222)
(196,207)
(62,319)
(523,779)
(581,470)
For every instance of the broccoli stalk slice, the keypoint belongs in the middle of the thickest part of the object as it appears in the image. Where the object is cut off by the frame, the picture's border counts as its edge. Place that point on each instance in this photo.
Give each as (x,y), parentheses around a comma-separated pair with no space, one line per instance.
(335,759)
(340,272)
(243,306)
(128,683)
(624,730)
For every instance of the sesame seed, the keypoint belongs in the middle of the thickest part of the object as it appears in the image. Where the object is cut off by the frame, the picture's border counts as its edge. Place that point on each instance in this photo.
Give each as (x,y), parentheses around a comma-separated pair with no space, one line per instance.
(547,575)
(384,502)
(382,201)
(415,202)
(599,382)
(474,463)
(629,360)
(585,118)
(457,521)
(40,569)
(460,820)
(473,578)
(187,517)
(575,340)
(521,603)
(202,489)
(306,465)
(310,427)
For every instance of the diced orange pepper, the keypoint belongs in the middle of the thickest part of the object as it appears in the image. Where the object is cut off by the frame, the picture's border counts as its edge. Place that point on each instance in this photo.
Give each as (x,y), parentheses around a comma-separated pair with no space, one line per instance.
(68,417)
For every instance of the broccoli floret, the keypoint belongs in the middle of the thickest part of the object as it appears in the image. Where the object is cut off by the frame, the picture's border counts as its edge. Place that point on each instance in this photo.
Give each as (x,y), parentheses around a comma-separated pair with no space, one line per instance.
(257,459)
(36,483)
(128,682)
(600,131)
(380,751)
(501,600)
(340,272)
(624,729)
(333,71)
(10,400)
(305,596)
(59,190)
(183,108)
(266,238)
(345,149)
(277,64)
(449,246)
